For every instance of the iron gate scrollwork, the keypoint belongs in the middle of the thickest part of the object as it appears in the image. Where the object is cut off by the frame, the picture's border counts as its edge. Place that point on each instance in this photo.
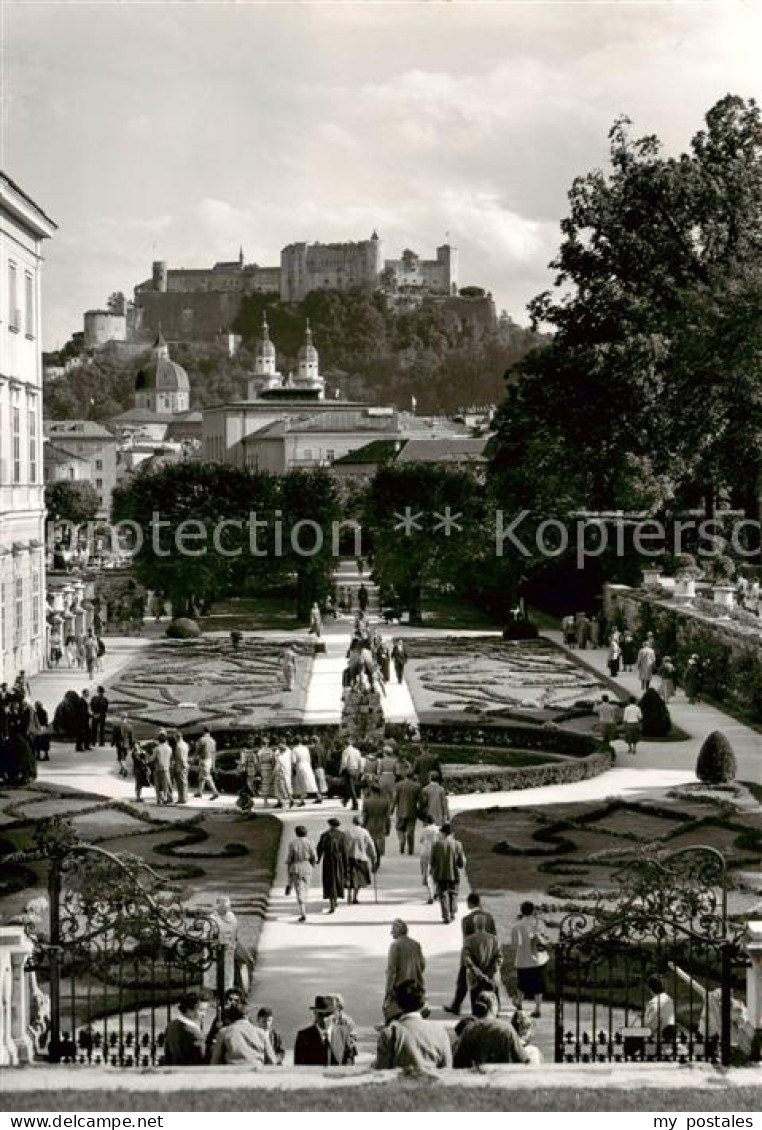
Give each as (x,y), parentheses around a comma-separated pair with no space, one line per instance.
(646,974)
(123,947)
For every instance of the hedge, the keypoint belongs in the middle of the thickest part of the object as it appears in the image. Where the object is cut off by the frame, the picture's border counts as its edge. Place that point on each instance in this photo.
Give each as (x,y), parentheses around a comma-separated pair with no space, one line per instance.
(546,739)
(529,776)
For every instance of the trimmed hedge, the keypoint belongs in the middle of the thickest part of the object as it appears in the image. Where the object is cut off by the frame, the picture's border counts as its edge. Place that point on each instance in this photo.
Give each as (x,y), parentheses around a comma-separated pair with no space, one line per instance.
(183,629)
(530,776)
(656,718)
(516,735)
(716,762)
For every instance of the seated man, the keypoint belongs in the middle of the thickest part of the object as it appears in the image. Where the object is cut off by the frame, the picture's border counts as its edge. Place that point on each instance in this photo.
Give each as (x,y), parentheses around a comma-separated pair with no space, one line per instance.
(410,1040)
(183,1039)
(240,1041)
(324,1043)
(487,1039)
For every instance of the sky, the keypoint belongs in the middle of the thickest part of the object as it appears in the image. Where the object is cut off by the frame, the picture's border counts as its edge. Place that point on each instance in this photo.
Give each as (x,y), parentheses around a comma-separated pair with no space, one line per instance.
(183,130)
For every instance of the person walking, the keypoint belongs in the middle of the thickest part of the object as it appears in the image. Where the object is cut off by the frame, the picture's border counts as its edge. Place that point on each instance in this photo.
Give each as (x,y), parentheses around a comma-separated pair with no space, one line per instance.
(362,598)
(351,773)
(404,963)
(668,678)
(90,649)
(288,668)
(83,723)
(303,776)
(266,759)
(607,712)
(386,775)
(316,621)
(376,816)
(646,662)
(122,738)
(693,680)
(429,834)
(319,762)
(447,861)
(434,799)
(250,768)
(98,712)
(206,754)
(529,940)
(407,794)
(282,776)
(629,652)
(481,958)
(399,659)
(468,927)
(180,758)
(141,771)
(332,852)
(614,656)
(361,853)
(39,731)
(160,761)
(300,860)
(632,719)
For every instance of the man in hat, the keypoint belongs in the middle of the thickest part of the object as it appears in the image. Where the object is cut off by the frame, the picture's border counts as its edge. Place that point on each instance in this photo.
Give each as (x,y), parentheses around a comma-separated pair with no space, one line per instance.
(314,1046)
(98,712)
(332,851)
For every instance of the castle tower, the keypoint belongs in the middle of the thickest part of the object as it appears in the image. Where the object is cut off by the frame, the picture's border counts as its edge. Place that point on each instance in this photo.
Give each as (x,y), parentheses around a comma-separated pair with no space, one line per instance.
(159,275)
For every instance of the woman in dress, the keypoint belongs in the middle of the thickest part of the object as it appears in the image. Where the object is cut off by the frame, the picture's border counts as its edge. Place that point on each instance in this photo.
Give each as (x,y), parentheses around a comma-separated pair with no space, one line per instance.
(386,777)
(282,789)
(300,860)
(288,668)
(304,782)
(266,758)
(668,677)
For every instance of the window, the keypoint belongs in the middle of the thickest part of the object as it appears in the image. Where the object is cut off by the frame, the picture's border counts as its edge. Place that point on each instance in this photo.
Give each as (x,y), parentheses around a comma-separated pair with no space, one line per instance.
(35,605)
(18,633)
(99,464)
(32,445)
(14,314)
(330,455)
(17,445)
(99,482)
(29,308)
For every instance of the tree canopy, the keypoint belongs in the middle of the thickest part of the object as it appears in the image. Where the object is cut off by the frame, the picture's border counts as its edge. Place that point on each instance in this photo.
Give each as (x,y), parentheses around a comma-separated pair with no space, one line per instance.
(651,387)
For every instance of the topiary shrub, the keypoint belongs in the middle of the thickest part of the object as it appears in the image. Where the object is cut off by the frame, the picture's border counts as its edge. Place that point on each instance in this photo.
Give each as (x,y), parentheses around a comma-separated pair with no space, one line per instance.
(656,720)
(520,630)
(66,717)
(716,762)
(183,629)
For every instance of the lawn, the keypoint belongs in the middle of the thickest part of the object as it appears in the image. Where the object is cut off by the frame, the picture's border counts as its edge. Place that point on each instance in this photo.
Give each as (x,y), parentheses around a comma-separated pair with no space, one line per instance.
(208,682)
(399,1095)
(449,612)
(253,614)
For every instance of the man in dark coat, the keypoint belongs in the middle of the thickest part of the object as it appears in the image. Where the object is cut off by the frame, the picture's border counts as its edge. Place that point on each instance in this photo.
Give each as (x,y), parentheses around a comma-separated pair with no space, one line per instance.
(98,712)
(362,597)
(447,861)
(376,816)
(82,727)
(482,958)
(468,927)
(407,793)
(332,851)
(183,1039)
(313,1046)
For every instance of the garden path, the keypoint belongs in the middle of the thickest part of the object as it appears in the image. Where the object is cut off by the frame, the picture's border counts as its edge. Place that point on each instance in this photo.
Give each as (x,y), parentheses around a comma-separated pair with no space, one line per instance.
(697,720)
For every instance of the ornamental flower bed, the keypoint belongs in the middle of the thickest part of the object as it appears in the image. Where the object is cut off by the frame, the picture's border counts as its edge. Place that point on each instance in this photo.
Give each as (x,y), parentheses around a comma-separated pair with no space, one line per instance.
(193,683)
(486,676)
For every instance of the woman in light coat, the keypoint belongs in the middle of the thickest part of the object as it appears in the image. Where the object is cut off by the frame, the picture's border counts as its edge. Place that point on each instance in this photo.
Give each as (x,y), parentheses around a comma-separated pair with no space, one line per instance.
(304,782)
(282,789)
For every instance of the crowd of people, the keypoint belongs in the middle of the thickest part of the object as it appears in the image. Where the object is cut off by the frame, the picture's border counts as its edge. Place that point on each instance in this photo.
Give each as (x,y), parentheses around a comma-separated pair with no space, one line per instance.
(24,732)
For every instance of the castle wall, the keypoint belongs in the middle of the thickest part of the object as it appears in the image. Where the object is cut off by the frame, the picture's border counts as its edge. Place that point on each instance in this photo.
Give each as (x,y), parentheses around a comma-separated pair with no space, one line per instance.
(328,266)
(102,326)
(183,317)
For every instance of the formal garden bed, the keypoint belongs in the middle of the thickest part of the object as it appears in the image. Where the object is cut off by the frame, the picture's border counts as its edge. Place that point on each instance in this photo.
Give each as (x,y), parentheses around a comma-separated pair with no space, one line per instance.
(528,680)
(207,854)
(206,681)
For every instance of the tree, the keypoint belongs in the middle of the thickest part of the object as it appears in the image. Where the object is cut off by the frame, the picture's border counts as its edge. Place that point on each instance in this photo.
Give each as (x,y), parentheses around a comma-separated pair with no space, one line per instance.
(716,763)
(75,502)
(311,509)
(653,380)
(409,509)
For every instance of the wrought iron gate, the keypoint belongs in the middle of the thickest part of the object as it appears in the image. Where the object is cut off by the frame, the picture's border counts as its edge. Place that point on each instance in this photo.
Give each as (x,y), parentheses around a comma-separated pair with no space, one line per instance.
(648,974)
(123,948)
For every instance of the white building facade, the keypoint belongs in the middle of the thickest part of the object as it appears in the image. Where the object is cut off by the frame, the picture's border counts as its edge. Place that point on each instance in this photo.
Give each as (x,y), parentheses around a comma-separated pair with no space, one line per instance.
(23,227)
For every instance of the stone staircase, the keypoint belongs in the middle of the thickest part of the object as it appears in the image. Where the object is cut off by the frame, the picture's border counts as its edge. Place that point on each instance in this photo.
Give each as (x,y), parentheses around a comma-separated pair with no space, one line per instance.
(346,576)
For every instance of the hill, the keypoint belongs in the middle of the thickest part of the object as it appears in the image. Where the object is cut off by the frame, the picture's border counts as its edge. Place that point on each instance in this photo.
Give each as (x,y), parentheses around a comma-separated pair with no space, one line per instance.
(447,353)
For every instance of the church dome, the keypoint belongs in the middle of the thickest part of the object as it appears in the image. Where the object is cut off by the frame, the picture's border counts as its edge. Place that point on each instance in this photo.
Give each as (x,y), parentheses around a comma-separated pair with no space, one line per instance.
(308,354)
(264,347)
(161,374)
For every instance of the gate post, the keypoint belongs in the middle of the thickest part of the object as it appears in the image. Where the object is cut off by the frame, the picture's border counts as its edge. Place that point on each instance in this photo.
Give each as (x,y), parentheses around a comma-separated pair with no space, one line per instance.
(54,960)
(752,943)
(559,1017)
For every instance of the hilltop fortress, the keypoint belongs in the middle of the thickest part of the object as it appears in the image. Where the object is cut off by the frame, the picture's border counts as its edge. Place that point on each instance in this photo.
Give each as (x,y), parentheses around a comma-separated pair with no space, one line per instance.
(200,304)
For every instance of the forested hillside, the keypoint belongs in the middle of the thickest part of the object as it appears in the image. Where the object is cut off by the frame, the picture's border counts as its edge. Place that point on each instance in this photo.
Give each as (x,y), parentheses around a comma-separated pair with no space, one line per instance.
(444,358)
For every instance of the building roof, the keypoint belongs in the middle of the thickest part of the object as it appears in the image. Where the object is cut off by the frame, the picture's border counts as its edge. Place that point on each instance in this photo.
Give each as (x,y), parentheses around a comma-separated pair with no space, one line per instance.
(77,429)
(377,451)
(146,416)
(58,457)
(456,450)
(9,188)
(347,421)
(161,374)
